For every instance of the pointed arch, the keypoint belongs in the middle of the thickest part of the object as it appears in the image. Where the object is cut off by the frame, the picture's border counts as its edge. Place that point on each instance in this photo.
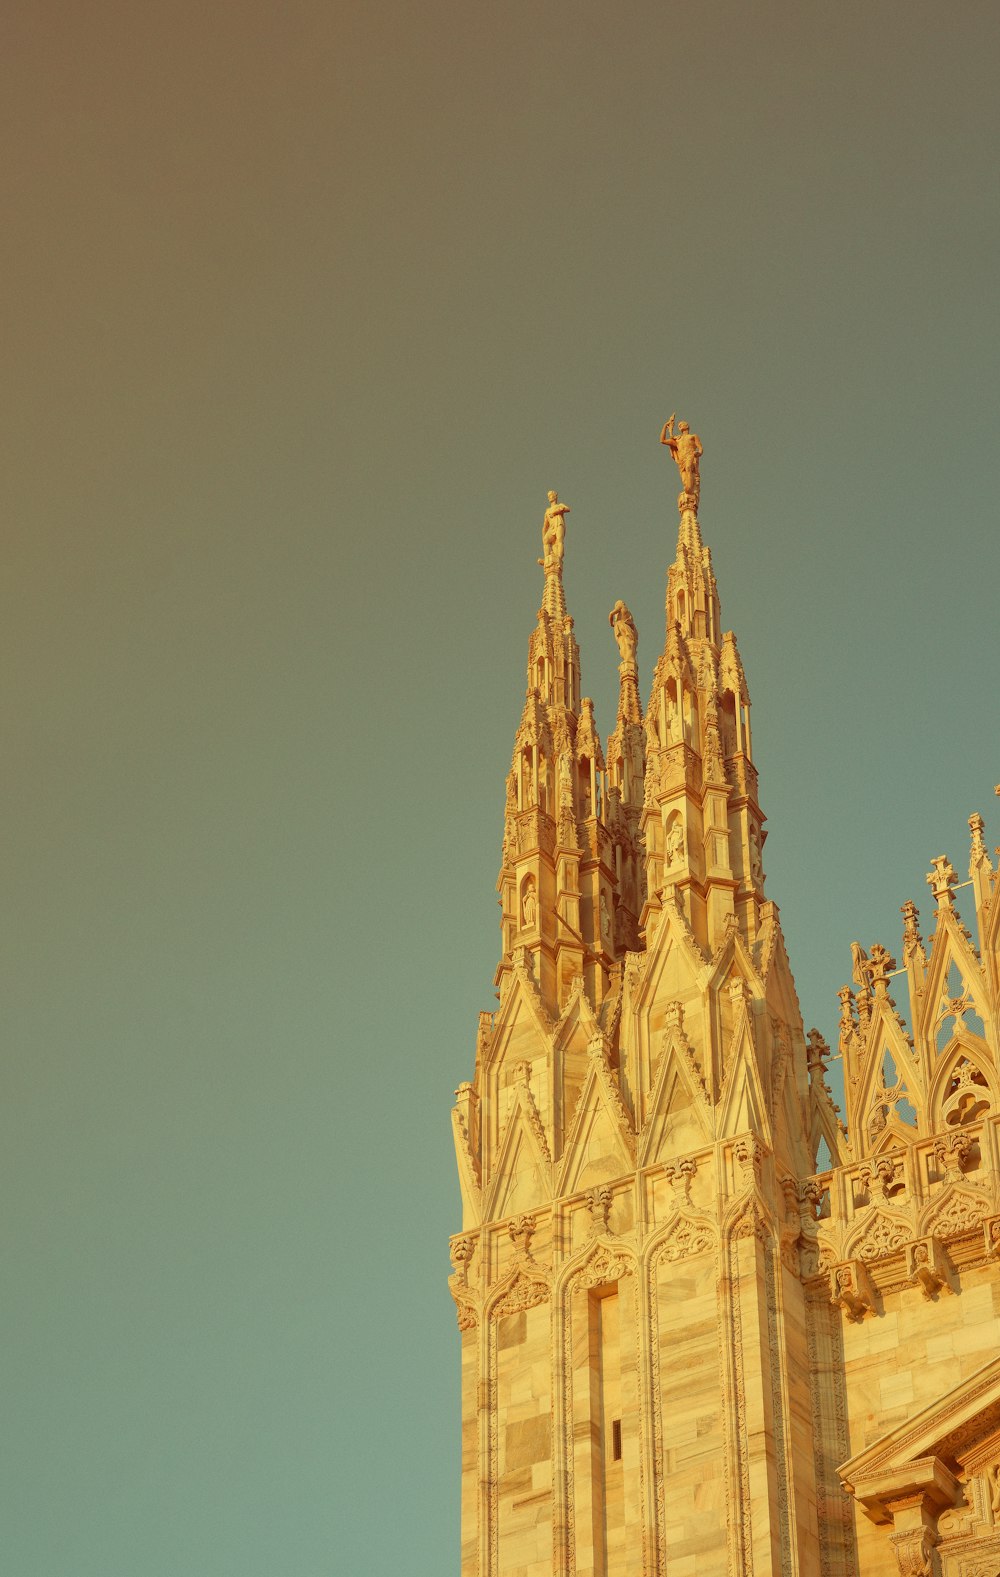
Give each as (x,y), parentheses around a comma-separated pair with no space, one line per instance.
(951,946)
(523,1285)
(602,1259)
(743,1106)
(882,1232)
(963,1088)
(597,1146)
(869,1115)
(521,1176)
(955,1212)
(685,1235)
(678,1111)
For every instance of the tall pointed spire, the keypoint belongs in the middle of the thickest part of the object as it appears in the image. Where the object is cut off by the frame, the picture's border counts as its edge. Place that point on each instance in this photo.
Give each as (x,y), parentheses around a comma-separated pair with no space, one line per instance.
(703,827)
(560,875)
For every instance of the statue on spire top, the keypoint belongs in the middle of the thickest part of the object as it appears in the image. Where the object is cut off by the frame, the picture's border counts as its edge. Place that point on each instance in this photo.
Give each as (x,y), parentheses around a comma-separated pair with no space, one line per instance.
(554,534)
(685,446)
(626,634)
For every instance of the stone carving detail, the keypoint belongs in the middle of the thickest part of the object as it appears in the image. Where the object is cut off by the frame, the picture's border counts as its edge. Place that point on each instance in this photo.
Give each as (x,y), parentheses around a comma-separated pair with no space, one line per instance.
(780,1059)
(925,1267)
(959,1213)
(602,1267)
(675,1026)
(462,1250)
(599,1202)
(626,634)
(914,1552)
(882,1235)
(749,1153)
(978,855)
(954,1155)
(851,1290)
(599,1059)
(522,1229)
(913,942)
(883,1178)
(522,1077)
(686,448)
(523,1293)
(554,535)
(679,1175)
(686,1237)
(751,1222)
(941,879)
(673,848)
(991,1233)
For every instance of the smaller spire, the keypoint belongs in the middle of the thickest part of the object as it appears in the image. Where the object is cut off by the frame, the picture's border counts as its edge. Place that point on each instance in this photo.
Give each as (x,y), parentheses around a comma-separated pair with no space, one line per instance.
(554,548)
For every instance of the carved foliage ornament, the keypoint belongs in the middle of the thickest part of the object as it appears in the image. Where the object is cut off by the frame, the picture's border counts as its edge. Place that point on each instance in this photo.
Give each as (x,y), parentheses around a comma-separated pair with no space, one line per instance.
(882,1235)
(685,1238)
(914,1552)
(960,1213)
(524,1292)
(751,1221)
(602,1267)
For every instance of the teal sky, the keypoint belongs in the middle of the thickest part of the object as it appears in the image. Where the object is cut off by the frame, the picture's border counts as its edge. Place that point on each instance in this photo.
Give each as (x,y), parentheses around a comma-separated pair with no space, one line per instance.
(305,309)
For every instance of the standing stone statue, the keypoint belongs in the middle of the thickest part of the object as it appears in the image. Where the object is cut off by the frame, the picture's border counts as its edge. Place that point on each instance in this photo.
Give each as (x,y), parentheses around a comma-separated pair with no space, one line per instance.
(554,533)
(685,446)
(626,634)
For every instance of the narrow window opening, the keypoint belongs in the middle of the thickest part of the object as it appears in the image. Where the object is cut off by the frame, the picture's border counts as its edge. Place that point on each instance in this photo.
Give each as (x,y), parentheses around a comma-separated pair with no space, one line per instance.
(616,1440)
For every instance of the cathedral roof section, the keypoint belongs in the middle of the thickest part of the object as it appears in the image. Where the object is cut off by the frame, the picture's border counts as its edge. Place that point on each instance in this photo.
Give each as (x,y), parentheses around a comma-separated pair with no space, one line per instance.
(936,1066)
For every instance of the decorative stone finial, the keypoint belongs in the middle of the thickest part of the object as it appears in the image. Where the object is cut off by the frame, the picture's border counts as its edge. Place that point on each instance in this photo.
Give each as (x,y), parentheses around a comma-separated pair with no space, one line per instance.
(941,880)
(817,1051)
(686,448)
(913,943)
(598,1202)
(978,854)
(462,1250)
(880,966)
(521,1231)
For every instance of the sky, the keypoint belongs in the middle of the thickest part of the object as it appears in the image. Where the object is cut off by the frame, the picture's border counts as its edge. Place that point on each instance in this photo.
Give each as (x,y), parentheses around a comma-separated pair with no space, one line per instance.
(306,307)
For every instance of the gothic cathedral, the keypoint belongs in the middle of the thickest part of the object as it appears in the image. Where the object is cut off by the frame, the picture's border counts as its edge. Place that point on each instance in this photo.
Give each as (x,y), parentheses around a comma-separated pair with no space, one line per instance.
(709,1328)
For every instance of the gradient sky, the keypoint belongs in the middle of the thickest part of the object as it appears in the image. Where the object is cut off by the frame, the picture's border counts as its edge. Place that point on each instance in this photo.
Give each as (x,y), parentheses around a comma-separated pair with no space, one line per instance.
(305,309)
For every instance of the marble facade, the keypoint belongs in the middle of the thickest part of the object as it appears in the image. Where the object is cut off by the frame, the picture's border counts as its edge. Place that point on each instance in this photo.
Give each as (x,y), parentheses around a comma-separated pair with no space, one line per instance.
(710,1325)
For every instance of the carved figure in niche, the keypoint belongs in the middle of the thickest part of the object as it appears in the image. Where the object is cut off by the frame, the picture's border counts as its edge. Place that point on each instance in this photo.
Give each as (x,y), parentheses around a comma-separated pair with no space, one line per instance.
(995,1486)
(674,850)
(756,868)
(554,534)
(686,448)
(605,919)
(626,634)
(529,906)
(924,1273)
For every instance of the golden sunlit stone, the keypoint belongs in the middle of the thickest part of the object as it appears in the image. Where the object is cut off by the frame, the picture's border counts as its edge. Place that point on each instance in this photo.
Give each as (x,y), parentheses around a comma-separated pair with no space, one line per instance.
(688,1348)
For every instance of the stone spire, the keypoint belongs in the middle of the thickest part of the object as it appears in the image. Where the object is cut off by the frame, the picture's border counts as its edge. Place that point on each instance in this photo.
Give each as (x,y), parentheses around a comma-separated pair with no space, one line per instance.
(626,777)
(559,877)
(702,825)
